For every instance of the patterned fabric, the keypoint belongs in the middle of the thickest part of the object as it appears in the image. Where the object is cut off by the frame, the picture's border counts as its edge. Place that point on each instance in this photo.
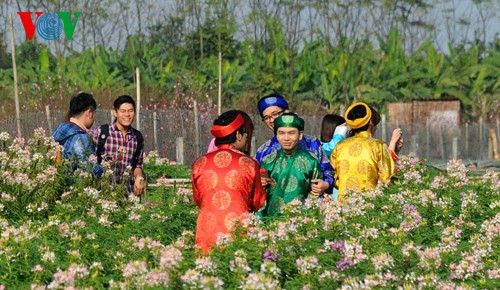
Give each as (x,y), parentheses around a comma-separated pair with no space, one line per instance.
(328,148)
(360,162)
(289,121)
(226,187)
(271,100)
(307,143)
(292,175)
(77,142)
(120,152)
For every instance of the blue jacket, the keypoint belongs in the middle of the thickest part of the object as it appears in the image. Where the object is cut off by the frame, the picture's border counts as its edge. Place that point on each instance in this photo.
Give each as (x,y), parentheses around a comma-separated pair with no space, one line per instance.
(76,142)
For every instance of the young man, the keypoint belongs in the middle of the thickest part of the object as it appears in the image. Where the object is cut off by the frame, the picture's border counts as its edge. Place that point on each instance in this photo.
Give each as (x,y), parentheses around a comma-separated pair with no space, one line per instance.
(291,169)
(73,134)
(270,108)
(122,145)
(361,161)
(226,182)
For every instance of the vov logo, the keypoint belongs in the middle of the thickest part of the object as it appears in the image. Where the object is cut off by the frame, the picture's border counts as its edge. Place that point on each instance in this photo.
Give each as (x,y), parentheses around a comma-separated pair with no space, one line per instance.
(49,26)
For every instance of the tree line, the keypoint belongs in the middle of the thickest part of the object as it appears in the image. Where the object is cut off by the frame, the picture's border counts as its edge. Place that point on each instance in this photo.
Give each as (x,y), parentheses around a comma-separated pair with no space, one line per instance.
(312,51)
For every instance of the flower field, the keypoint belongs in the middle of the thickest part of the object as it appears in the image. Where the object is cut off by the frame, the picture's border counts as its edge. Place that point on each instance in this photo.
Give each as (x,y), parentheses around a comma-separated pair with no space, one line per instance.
(67,230)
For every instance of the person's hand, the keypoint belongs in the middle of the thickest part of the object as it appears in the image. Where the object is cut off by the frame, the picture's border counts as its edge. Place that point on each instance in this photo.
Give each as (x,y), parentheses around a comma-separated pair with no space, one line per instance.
(319,186)
(396,136)
(266,181)
(399,145)
(341,130)
(139,185)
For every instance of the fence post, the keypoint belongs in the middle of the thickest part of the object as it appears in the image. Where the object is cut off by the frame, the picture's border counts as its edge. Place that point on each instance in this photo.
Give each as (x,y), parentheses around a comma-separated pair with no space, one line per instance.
(454,149)
(414,143)
(14,72)
(441,143)
(49,123)
(427,138)
(467,139)
(155,132)
(196,130)
(481,150)
(494,144)
(180,150)
(138,99)
(384,129)
(254,145)
(489,156)
(498,131)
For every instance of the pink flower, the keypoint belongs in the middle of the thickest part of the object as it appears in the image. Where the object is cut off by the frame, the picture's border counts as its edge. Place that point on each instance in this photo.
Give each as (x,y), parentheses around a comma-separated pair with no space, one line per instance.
(344,264)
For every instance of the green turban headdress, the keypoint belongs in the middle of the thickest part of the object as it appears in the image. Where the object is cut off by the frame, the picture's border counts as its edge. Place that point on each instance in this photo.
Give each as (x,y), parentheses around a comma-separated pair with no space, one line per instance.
(290,121)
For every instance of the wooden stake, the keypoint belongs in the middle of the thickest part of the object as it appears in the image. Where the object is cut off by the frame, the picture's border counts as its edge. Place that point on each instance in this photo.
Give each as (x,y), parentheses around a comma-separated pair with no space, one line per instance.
(49,122)
(219,102)
(494,143)
(155,131)
(14,70)
(138,101)
(196,130)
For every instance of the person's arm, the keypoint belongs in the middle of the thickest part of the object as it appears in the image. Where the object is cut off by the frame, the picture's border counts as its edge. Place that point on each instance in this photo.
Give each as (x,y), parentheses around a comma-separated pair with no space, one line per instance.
(394,144)
(318,186)
(326,169)
(386,165)
(139,183)
(258,194)
(96,168)
(194,176)
(338,135)
(264,150)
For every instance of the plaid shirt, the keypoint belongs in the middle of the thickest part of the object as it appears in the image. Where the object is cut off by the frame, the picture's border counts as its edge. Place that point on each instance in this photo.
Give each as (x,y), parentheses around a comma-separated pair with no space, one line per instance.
(120,152)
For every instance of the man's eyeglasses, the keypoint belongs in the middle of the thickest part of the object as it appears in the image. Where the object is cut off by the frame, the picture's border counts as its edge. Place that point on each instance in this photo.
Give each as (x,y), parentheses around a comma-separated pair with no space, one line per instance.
(274,115)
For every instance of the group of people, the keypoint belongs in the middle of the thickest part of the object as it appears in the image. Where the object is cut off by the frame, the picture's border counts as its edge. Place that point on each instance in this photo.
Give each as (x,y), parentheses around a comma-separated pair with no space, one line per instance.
(117,144)
(228,184)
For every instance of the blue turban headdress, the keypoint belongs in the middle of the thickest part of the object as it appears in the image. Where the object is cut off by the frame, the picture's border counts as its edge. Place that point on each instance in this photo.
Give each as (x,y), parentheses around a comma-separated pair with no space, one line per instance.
(271,100)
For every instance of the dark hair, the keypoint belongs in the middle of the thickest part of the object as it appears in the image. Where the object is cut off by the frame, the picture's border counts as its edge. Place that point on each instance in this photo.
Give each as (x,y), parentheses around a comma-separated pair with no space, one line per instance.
(375,116)
(124,99)
(227,118)
(356,113)
(328,125)
(80,103)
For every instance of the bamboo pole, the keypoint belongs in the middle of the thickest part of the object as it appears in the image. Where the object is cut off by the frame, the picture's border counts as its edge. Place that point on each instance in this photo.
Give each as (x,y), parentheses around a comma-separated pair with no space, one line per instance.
(384,128)
(219,102)
(138,92)
(196,130)
(155,129)
(111,116)
(180,150)
(14,70)
(481,152)
(494,143)
(454,148)
(467,139)
(47,113)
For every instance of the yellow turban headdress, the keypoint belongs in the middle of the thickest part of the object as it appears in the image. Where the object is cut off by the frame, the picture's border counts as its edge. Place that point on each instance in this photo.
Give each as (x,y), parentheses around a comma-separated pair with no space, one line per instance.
(361,121)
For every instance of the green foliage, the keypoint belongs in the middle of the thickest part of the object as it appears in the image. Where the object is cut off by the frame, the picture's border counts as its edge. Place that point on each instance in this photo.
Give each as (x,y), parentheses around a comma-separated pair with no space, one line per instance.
(377,72)
(427,229)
